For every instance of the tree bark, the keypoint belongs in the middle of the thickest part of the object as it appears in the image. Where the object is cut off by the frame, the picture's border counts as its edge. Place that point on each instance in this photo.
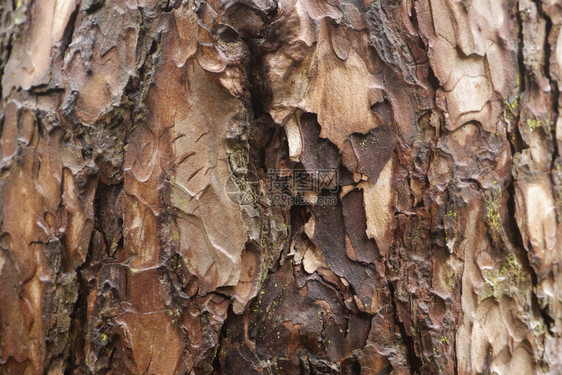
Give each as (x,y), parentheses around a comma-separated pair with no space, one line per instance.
(142,143)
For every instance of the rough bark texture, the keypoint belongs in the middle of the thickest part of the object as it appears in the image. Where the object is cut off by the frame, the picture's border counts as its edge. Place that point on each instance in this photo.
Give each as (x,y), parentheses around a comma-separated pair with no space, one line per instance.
(128,125)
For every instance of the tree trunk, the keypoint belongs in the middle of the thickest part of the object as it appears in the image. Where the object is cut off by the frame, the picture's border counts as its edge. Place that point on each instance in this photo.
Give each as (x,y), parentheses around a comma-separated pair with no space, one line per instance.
(292,187)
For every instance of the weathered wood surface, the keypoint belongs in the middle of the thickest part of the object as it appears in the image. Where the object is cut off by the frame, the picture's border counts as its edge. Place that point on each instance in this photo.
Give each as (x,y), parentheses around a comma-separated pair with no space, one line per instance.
(127,125)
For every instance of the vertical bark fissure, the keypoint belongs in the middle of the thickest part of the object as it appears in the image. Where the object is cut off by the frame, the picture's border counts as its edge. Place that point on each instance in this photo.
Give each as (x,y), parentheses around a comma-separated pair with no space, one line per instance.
(68,32)
(7,32)
(554,114)
(414,361)
(547,48)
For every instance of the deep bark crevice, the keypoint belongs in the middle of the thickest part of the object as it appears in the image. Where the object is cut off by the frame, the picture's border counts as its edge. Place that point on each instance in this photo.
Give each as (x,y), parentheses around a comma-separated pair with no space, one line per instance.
(414,362)
(68,31)
(553,87)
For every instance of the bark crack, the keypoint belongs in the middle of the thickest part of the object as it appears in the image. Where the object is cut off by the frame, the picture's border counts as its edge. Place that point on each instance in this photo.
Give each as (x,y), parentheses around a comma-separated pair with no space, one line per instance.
(414,361)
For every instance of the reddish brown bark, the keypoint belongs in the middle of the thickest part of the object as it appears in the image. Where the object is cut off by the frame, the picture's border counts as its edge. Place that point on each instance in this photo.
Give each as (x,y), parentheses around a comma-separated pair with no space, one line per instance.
(139,234)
